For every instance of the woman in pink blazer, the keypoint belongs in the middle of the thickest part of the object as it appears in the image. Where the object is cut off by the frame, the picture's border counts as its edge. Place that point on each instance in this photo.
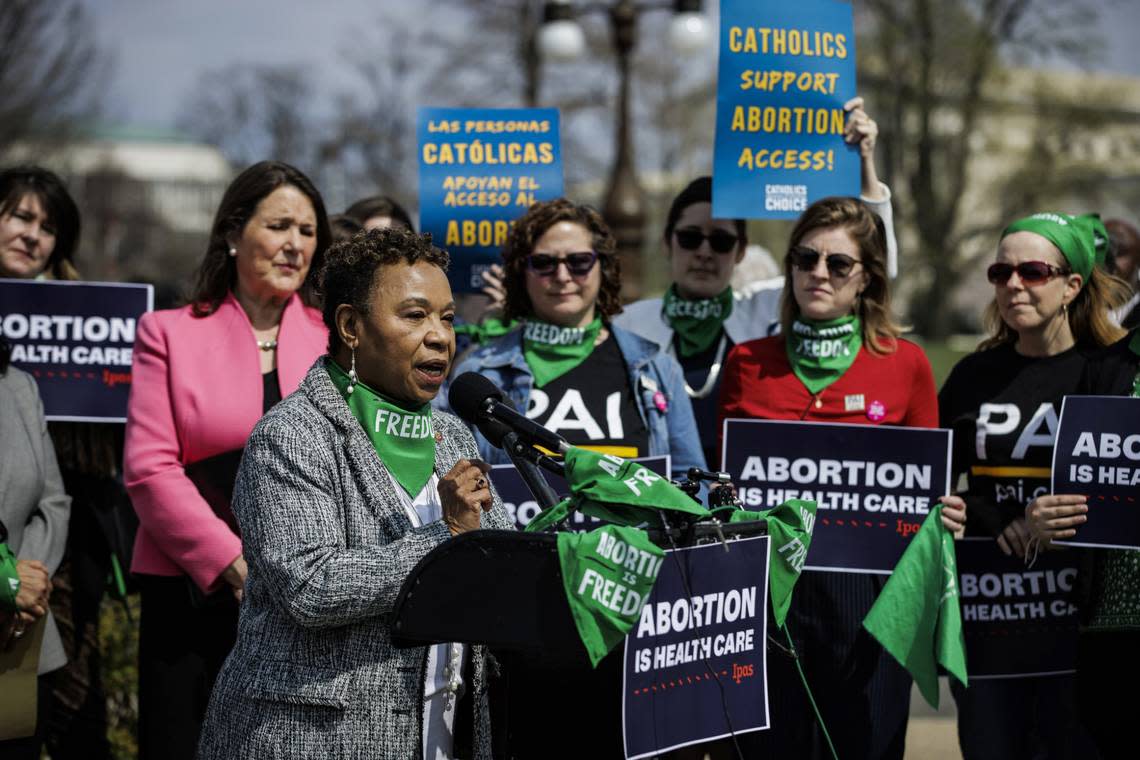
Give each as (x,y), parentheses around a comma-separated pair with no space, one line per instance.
(203,376)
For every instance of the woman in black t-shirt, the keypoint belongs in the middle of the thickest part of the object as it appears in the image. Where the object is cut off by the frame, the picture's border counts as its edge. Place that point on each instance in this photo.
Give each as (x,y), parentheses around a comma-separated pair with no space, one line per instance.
(1050,307)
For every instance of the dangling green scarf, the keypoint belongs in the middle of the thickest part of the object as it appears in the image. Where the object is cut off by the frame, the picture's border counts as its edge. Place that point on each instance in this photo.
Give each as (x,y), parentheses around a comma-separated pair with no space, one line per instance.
(552,351)
(403,438)
(820,352)
(697,322)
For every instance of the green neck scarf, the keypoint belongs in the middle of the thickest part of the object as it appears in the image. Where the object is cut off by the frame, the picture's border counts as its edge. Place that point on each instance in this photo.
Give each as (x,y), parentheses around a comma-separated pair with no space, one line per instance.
(1082,240)
(820,352)
(552,351)
(696,322)
(403,438)
(486,331)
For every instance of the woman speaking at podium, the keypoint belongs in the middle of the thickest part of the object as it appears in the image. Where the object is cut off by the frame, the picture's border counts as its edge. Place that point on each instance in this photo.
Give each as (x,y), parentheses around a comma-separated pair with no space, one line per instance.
(345,485)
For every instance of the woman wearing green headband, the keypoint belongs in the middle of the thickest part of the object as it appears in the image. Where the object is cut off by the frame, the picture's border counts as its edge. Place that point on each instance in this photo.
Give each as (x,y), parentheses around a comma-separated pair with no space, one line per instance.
(1051,307)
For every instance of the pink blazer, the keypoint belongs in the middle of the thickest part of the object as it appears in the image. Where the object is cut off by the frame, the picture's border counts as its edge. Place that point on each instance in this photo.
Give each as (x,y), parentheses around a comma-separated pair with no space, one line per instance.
(197,392)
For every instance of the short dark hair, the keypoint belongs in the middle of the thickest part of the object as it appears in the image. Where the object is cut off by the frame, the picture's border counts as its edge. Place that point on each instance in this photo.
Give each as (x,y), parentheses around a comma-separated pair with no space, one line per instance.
(350,268)
(532,225)
(697,191)
(343,227)
(218,272)
(379,205)
(62,213)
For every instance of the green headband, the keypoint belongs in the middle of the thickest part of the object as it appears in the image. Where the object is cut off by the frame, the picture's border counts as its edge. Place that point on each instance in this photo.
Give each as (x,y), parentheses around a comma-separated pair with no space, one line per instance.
(1082,240)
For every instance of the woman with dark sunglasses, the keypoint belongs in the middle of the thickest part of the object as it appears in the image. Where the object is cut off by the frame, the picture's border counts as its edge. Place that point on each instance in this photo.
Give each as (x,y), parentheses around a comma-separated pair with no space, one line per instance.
(1050,310)
(839,358)
(700,318)
(598,386)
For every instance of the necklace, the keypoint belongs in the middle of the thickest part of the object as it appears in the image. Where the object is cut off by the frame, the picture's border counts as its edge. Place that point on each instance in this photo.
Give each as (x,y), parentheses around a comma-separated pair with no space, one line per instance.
(267,345)
(714,371)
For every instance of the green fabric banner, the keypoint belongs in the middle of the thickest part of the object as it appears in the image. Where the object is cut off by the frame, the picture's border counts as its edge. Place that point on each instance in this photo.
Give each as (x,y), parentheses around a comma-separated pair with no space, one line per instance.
(789,526)
(917,617)
(9,579)
(607,574)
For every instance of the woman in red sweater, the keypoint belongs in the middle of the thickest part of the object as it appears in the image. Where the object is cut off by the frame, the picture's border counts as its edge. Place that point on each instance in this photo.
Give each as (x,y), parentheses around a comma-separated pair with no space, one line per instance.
(839,358)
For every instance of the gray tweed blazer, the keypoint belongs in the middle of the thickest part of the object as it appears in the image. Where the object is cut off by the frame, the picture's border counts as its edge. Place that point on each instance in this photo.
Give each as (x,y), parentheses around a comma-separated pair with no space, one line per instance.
(313,673)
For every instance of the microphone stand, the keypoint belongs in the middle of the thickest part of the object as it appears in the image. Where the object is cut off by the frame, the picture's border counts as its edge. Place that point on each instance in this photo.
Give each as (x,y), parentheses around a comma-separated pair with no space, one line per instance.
(527,460)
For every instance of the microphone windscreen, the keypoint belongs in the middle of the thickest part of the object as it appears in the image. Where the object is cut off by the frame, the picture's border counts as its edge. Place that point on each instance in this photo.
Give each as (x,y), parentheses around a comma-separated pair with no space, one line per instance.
(468,393)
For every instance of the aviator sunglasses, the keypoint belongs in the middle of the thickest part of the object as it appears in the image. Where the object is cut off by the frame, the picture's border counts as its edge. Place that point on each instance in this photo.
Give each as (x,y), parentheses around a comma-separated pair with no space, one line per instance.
(1029,272)
(805,259)
(720,241)
(577,264)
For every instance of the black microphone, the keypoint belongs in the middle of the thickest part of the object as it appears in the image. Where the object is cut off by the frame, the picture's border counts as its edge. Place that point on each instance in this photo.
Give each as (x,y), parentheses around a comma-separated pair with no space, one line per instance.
(481,403)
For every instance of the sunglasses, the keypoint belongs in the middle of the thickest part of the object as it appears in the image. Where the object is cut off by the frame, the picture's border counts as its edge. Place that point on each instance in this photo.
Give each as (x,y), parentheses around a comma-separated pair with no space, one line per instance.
(719,241)
(577,264)
(805,259)
(1029,272)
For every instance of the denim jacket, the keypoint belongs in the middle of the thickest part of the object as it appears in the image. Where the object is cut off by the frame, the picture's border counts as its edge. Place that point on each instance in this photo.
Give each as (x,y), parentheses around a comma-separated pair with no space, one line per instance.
(672,431)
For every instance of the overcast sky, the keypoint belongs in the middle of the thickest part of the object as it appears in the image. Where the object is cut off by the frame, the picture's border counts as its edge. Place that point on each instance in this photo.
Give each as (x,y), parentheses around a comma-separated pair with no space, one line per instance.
(160,47)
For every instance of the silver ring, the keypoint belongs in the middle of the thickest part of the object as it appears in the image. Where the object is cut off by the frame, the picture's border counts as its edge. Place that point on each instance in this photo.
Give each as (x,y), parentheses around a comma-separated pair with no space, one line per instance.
(18,633)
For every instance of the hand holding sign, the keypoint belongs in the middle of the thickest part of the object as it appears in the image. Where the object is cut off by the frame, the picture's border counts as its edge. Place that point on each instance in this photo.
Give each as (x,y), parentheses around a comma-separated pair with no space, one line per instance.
(954,515)
(1056,516)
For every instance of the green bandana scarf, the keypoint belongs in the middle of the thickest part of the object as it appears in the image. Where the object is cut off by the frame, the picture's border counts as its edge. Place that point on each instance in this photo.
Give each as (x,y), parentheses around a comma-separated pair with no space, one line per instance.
(9,579)
(486,331)
(616,490)
(820,352)
(403,438)
(607,574)
(1076,237)
(790,526)
(696,322)
(552,351)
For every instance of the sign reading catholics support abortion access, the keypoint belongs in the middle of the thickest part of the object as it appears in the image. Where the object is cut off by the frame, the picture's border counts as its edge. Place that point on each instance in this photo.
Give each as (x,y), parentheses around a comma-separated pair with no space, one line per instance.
(521,506)
(785,71)
(481,169)
(874,485)
(1097,453)
(689,644)
(1017,621)
(76,340)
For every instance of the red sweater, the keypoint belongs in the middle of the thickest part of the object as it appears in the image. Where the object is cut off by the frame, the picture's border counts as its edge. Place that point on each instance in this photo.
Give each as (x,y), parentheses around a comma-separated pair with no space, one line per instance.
(896,389)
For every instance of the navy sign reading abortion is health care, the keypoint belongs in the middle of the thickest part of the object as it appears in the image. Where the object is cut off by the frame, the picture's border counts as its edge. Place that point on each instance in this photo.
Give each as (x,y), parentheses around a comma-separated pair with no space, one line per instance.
(874,485)
(689,644)
(1097,453)
(75,339)
(480,169)
(785,71)
(522,507)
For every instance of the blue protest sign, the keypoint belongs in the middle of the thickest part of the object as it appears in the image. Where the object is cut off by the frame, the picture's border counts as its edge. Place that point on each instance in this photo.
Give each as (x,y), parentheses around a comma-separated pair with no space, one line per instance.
(1097,453)
(480,169)
(1018,622)
(785,71)
(690,644)
(874,484)
(75,339)
(520,503)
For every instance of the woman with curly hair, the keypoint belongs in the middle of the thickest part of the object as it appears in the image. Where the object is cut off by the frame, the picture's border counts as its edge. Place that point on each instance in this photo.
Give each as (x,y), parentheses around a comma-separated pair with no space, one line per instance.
(566,365)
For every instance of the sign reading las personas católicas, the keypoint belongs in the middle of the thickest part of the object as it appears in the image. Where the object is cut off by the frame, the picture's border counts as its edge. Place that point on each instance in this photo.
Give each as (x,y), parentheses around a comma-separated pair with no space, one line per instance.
(873,484)
(76,340)
(785,71)
(480,169)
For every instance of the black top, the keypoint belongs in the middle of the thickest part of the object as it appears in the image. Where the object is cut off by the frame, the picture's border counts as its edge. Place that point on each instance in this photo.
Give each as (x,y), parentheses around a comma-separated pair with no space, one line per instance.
(696,369)
(1111,371)
(1003,408)
(270,390)
(593,404)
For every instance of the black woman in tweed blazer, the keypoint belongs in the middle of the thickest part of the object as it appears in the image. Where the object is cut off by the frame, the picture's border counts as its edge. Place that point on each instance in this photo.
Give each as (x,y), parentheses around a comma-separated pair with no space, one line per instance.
(330,529)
